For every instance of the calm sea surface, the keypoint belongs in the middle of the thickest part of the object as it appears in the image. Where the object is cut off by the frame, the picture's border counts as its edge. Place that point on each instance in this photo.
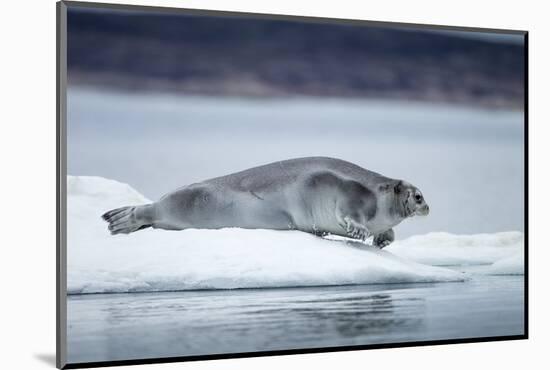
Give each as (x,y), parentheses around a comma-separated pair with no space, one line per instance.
(107,327)
(465,160)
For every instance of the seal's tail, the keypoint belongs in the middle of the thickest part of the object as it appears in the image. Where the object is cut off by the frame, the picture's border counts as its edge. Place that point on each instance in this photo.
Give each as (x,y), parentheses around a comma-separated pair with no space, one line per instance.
(126,220)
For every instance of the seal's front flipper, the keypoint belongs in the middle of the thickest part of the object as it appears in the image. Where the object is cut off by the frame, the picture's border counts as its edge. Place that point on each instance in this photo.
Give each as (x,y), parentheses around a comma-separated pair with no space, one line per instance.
(384,239)
(354,229)
(126,220)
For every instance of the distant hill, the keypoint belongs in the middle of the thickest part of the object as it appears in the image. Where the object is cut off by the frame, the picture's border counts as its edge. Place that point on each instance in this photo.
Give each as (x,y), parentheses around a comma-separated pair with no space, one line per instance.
(266,58)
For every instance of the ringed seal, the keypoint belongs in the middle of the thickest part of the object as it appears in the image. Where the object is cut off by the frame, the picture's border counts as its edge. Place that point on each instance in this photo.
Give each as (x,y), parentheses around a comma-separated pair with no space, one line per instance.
(317,195)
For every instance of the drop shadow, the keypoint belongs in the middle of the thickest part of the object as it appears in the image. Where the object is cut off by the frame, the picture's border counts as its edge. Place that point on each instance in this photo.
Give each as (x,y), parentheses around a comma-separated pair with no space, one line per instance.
(47,358)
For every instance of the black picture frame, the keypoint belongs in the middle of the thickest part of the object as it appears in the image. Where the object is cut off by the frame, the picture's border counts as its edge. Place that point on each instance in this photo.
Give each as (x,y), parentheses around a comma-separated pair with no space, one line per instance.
(61,191)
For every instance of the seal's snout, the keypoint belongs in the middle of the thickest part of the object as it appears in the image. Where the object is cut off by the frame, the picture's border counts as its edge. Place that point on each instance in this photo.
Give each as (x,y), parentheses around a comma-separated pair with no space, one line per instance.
(423,211)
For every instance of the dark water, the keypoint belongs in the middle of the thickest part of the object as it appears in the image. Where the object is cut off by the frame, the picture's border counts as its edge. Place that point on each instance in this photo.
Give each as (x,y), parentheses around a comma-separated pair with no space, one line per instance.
(107,327)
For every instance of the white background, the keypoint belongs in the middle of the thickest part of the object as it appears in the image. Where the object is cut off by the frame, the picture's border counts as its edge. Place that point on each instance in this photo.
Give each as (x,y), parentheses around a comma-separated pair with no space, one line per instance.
(27,155)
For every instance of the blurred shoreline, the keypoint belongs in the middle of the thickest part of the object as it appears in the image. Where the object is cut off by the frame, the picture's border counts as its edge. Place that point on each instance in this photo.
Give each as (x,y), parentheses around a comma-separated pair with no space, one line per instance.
(263,58)
(110,84)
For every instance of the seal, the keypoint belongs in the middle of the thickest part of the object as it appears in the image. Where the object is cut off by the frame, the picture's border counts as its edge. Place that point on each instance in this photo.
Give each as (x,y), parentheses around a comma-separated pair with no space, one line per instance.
(318,195)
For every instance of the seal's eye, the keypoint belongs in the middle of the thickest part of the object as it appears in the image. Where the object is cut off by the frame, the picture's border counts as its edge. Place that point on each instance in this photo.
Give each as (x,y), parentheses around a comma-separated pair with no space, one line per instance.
(418,198)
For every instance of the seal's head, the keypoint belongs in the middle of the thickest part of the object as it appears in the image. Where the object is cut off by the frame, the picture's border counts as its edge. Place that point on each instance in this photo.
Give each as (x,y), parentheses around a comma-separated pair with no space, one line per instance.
(409,200)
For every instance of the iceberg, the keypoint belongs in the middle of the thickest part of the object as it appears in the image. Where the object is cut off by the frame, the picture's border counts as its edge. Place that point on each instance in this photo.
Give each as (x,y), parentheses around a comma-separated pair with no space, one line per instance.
(444,249)
(513,265)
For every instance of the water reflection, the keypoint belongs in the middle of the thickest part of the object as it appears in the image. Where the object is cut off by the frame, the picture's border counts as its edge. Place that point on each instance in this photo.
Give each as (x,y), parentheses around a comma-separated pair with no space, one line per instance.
(121,326)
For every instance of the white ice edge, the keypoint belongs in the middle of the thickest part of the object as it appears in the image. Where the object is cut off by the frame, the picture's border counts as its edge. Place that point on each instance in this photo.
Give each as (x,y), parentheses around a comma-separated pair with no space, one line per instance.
(158,260)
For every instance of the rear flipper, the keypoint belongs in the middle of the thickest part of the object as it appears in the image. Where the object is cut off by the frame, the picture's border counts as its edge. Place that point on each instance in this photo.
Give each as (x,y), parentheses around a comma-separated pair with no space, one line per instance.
(126,220)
